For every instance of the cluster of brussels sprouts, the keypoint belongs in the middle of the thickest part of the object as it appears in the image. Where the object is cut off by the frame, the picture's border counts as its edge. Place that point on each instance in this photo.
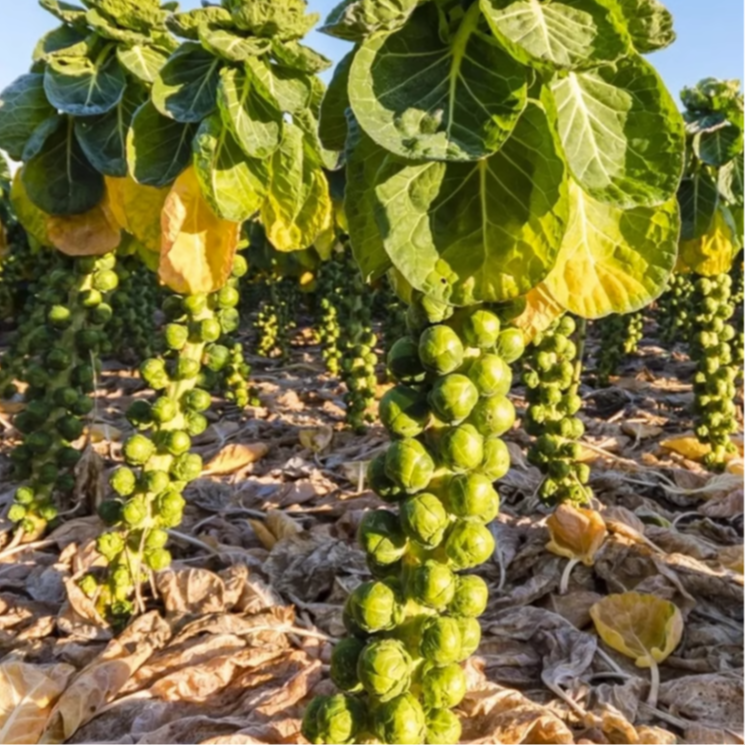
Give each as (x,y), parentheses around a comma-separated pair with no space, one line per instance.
(619,337)
(132,329)
(551,381)
(393,315)
(57,361)
(674,309)
(415,622)
(277,318)
(328,294)
(714,381)
(159,461)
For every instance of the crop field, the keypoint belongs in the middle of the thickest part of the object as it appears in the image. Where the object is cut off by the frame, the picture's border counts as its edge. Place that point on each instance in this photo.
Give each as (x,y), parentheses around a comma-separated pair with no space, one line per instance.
(394,400)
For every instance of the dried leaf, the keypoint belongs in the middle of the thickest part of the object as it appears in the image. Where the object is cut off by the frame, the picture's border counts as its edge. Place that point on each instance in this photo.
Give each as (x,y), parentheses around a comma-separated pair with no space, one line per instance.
(100,432)
(281,525)
(137,209)
(689,447)
(576,533)
(93,233)
(643,627)
(197,246)
(234,457)
(27,694)
(316,439)
(191,591)
(732,558)
(640,430)
(267,538)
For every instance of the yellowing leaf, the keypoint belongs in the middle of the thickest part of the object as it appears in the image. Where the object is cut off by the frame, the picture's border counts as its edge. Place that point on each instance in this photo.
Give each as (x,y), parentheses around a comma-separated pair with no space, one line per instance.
(687,445)
(27,694)
(92,233)
(713,252)
(643,627)
(234,457)
(33,219)
(541,310)
(735,466)
(137,209)
(197,247)
(316,438)
(104,433)
(576,533)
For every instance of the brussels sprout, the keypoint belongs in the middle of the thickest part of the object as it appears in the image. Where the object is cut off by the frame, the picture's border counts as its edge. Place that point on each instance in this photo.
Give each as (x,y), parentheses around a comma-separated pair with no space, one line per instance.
(375,607)
(344,660)
(511,345)
(123,481)
(404,411)
(39,442)
(481,329)
(156,539)
(493,416)
(404,363)
(178,442)
(400,720)
(59,316)
(440,640)
(110,545)
(186,369)
(194,304)
(442,687)
(215,357)
(443,727)
(153,372)
(424,519)
(491,375)
(462,448)
(470,635)
(186,467)
(470,598)
(440,350)
(105,281)
(196,424)
(381,536)
(472,497)
(496,460)
(168,507)
(70,427)
(208,330)
(138,449)
(453,397)
(24,495)
(16,513)
(384,668)
(335,719)
(409,465)
(468,545)
(176,336)
(228,297)
(156,481)
(197,400)
(431,584)
(379,482)
(164,409)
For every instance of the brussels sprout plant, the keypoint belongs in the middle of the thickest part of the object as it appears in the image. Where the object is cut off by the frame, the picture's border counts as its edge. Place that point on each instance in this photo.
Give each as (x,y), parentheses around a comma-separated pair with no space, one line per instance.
(674,309)
(619,337)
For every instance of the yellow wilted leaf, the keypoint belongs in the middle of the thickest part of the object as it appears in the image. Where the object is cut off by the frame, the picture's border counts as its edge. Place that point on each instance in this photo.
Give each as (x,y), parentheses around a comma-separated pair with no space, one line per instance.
(267,538)
(27,694)
(735,466)
(687,445)
(197,246)
(234,457)
(576,533)
(643,627)
(541,310)
(137,209)
(713,252)
(33,219)
(316,438)
(104,433)
(93,233)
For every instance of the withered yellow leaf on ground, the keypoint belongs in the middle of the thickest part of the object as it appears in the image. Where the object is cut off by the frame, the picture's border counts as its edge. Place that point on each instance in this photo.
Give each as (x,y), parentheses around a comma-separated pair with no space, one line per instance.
(689,447)
(643,627)
(576,533)
(27,694)
(541,310)
(235,456)
(316,439)
(137,209)
(197,246)
(93,233)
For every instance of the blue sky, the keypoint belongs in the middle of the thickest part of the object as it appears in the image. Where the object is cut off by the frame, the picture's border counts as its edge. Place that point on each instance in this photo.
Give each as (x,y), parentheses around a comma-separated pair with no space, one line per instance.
(710,39)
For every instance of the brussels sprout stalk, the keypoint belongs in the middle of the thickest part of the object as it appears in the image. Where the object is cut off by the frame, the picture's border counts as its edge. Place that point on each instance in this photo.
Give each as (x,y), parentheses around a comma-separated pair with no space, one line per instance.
(674,309)
(629,329)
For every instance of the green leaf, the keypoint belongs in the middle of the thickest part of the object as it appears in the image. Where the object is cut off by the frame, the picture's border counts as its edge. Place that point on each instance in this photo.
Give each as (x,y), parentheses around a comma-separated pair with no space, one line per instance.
(106,29)
(135,15)
(420,97)
(650,24)
(299,57)
(65,12)
(332,127)
(142,62)
(70,40)
(478,232)
(718,145)
(104,138)
(298,206)
(613,260)
(274,19)
(186,86)
(354,20)
(23,107)
(623,136)
(328,159)
(697,198)
(58,178)
(364,159)
(186,25)
(248,108)
(233,184)
(290,88)
(564,34)
(158,148)
(229,45)
(730,181)
(79,87)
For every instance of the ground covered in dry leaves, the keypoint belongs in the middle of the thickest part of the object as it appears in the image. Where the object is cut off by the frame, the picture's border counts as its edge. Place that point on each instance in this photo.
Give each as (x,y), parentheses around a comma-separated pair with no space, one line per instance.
(236,637)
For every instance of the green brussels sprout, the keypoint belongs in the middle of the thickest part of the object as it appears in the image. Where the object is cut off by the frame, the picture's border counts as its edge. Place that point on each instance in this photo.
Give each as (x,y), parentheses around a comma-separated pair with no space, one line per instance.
(16,513)
(379,482)
(496,461)
(384,669)
(90,298)
(186,369)
(431,584)
(439,640)
(381,536)
(470,598)
(208,330)
(70,427)
(440,350)
(409,465)
(158,559)
(87,340)
(39,442)
(24,495)
(493,416)
(59,316)
(101,314)
(453,397)
(400,720)
(195,423)
(153,372)
(82,406)
(105,281)
(344,661)
(178,442)
(169,508)
(155,481)
(470,636)
(195,304)
(472,497)
(47,474)
(176,336)
(139,413)
(138,449)
(240,266)
(123,481)
(58,359)
(110,511)
(481,329)
(404,412)
(135,512)
(443,727)
(89,585)
(425,310)
(229,319)
(338,719)
(511,345)
(25,422)
(491,375)
(228,297)
(404,363)
(468,544)
(186,467)
(110,545)
(461,448)
(442,687)
(375,607)
(424,519)
(197,399)
(215,357)
(164,409)
(156,539)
